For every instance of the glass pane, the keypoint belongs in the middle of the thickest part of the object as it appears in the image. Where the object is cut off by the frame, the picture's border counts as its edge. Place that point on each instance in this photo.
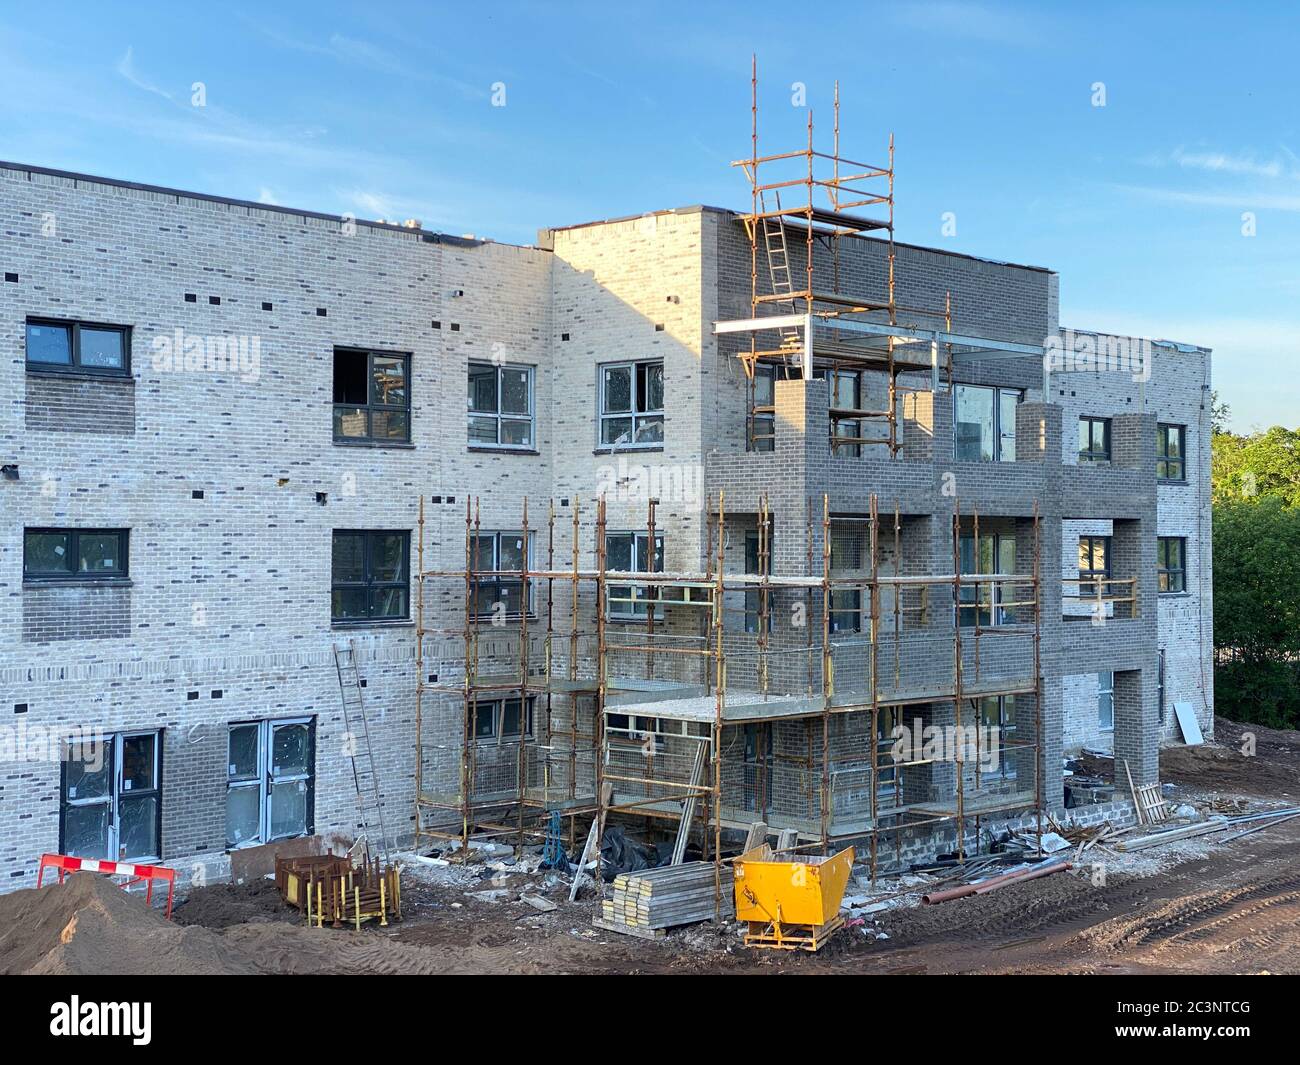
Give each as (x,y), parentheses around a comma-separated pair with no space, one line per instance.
(650,387)
(388,556)
(510,718)
(350,386)
(139,763)
(483,388)
(482,430)
(650,430)
(85,831)
(89,769)
(102,348)
(1085,436)
(243,752)
(1007,403)
(483,552)
(243,816)
(764,387)
(49,344)
(388,379)
(390,425)
(510,594)
(290,750)
(1175,447)
(289,809)
(514,391)
(616,431)
(138,828)
(100,553)
(974,424)
(349,561)
(351,423)
(618,553)
(389,602)
(617,391)
(485,721)
(349,603)
(512,551)
(46,553)
(517,433)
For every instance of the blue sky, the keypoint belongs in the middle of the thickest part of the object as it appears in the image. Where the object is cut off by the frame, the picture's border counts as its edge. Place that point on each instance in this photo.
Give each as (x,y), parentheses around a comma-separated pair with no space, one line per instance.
(386,110)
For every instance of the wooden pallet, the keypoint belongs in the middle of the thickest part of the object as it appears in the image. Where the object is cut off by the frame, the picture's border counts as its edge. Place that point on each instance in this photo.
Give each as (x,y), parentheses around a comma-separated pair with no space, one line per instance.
(628,930)
(810,937)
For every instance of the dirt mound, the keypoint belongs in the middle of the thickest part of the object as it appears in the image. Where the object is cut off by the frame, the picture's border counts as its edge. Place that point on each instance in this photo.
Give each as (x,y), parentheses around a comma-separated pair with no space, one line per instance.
(223,905)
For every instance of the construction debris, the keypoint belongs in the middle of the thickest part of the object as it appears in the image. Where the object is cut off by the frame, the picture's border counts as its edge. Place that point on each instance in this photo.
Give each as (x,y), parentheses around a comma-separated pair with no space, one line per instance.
(993,883)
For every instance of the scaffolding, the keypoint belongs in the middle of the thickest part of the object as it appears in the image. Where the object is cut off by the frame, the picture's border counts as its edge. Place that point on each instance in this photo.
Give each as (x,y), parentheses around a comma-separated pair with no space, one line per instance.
(636,688)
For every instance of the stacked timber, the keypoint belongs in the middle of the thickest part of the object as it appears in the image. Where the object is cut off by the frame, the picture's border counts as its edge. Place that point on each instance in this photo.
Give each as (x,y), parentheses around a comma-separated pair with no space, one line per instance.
(650,900)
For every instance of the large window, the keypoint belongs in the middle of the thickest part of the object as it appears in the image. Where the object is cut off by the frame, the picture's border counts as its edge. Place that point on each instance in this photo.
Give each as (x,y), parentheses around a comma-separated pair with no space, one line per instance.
(1106,701)
(1171,563)
(1171,453)
(502,553)
(630,553)
(848,559)
(500,406)
(632,404)
(74,554)
(111,804)
(78,347)
(889,773)
(1094,562)
(1094,439)
(762,417)
(372,397)
(270,780)
(982,600)
(998,713)
(498,721)
(845,390)
(985,423)
(370,580)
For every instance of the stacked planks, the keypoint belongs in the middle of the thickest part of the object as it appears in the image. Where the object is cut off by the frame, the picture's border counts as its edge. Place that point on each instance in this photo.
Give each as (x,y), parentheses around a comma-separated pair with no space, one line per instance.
(650,900)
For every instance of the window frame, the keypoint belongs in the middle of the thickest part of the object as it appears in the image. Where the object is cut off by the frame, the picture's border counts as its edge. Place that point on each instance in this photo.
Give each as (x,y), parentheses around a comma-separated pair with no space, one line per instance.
(649,414)
(498,737)
(1164,571)
(265,778)
(1091,456)
(1098,575)
(640,545)
(369,583)
(371,406)
(1105,688)
(1162,441)
(1006,769)
(116,745)
(975,605)
(499,415)
(118,576)
(1000,436)
(500,582)
(75,366)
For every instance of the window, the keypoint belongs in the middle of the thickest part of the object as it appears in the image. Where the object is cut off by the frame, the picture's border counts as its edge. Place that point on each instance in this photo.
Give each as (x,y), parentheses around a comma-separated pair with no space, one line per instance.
(1094,439)
(500,406)
(753,564)
(1106,702)
(498,721)
(369,576)
(1160,685)
(1171,453)
(998,712)
(270,780)
(889,774)
(983,600)
(74,554)
(372,397)
(762,418)
(1171,566)
(845,390)
(632,404)
(984,427)
(630,553)
(639,731)
(1094,561)
(78,347)
(111,804)
(848,548)
(501,553)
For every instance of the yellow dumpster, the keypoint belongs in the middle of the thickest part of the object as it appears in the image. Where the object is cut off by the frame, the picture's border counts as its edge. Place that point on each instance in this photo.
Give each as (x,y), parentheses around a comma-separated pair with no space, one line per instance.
(790,905)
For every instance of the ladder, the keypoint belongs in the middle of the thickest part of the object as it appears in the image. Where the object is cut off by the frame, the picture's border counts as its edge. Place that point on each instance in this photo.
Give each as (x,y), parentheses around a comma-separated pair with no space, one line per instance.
(370,813)
(778,266)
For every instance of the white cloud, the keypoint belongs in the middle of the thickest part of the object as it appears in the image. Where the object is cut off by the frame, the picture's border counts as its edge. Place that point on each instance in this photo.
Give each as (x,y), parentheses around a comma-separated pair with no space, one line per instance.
(126,68)
(265,195)
(1223,163)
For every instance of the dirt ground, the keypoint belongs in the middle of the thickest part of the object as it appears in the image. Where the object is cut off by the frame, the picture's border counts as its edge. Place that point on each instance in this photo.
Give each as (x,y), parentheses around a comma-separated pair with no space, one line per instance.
(1199,906)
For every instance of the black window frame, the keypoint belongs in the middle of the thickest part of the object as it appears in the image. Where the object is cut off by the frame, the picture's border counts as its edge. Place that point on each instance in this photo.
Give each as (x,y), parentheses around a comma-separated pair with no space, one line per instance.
(649,415)
(74,535)
(1163,461)
(371,406)
(1165,573)
(1000,440)
(1099,574)
(75,366)
(371,585)
(500,415)
(1091,455)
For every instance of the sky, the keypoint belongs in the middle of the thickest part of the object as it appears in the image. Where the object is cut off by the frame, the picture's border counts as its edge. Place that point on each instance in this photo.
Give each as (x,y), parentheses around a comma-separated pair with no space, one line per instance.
(1146,152)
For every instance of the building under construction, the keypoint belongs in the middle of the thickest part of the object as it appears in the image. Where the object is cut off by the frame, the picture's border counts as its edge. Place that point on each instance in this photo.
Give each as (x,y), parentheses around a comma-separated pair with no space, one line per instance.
(749,516)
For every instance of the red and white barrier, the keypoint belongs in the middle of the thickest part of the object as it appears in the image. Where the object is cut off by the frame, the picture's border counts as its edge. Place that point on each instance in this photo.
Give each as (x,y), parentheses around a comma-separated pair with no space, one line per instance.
(145,874)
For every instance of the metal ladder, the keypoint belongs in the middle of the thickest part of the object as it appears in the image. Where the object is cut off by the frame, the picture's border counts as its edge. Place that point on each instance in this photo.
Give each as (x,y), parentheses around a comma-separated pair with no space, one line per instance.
(370,813)
(778,266)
